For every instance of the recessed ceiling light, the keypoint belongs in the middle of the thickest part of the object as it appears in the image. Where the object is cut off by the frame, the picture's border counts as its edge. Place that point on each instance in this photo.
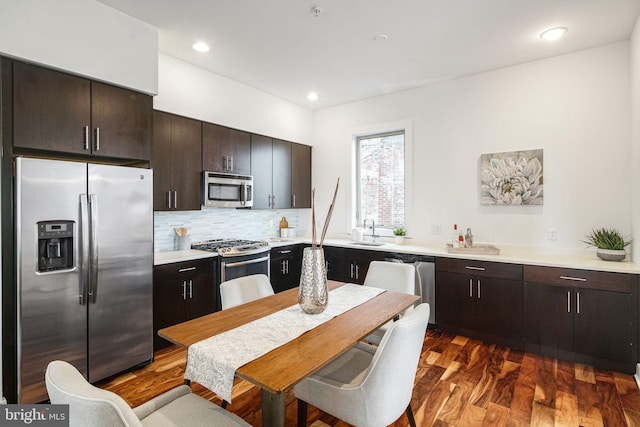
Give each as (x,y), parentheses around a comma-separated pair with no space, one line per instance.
(553,34)
(313,96)
(201,47)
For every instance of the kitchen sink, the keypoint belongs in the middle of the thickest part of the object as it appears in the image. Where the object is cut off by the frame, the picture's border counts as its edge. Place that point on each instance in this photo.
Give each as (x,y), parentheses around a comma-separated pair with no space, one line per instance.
(369,243)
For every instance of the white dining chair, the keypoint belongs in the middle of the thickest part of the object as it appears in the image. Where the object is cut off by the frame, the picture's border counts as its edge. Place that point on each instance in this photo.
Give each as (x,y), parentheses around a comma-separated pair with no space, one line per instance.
(393,276)
(95,407)
(244,289)
(369,386)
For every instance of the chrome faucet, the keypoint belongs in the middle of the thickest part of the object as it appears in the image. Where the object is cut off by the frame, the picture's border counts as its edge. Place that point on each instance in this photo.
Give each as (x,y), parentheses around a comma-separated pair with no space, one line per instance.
(373,228)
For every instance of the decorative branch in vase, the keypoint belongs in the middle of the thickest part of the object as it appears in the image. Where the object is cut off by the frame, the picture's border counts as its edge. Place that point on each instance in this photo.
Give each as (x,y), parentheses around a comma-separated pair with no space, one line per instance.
(313,293)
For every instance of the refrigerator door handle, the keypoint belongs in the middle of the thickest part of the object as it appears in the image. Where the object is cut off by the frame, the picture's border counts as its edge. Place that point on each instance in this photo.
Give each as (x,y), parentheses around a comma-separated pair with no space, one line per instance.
(84,249)
(93,287)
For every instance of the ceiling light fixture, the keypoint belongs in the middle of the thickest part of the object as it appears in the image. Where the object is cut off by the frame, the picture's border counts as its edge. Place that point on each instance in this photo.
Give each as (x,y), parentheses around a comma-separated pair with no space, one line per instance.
(201,47)
(553,34)
(313,96)
(380,37)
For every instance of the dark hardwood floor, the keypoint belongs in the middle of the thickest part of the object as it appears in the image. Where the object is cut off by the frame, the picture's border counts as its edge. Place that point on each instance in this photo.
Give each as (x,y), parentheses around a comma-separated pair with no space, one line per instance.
(459,382)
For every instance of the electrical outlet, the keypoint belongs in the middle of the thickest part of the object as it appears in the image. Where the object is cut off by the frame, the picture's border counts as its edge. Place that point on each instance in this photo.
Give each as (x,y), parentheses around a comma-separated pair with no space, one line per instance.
(436,229)
(270,223)
(552,234)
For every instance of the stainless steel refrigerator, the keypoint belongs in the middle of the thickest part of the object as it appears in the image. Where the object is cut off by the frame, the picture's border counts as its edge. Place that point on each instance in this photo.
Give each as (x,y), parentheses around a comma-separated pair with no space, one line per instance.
(84,249)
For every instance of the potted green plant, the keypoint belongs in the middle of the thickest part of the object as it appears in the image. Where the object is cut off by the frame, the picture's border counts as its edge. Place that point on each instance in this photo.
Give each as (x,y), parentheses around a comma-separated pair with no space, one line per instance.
(609,243)
(399,233)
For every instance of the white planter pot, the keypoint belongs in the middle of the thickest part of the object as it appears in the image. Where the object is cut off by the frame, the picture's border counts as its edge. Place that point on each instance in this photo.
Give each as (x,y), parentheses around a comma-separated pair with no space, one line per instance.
(611,254)
(399,240)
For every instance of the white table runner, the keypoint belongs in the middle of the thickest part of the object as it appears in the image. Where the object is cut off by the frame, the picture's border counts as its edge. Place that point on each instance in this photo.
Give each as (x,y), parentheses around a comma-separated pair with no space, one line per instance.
(213,362)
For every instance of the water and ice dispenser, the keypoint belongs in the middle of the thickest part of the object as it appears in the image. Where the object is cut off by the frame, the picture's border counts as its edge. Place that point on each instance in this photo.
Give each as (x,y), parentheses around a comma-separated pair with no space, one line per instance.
(55,245)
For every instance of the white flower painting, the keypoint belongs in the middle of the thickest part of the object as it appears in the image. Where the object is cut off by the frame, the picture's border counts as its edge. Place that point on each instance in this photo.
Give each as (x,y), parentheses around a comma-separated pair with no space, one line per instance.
(512,178)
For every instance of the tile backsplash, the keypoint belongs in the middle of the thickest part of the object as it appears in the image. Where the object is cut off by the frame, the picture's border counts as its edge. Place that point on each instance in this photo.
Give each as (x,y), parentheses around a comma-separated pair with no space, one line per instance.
(219,223)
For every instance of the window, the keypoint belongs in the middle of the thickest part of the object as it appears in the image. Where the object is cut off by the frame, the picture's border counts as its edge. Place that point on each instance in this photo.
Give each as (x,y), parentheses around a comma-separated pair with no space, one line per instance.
(380,179)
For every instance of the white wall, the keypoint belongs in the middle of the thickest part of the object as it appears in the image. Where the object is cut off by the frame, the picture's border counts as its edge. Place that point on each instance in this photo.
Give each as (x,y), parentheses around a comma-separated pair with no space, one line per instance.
(195,92)
(82,37)
(635,140)
(575,107)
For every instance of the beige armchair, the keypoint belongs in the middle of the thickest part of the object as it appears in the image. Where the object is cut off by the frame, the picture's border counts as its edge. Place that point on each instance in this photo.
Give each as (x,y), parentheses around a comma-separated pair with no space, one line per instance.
(91,406)
(244,289)
(369,386)
(392,276)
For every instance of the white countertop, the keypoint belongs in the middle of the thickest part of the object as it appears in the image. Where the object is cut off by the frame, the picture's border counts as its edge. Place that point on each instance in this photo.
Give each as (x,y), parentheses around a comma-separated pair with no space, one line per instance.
(583,260)
(167,257)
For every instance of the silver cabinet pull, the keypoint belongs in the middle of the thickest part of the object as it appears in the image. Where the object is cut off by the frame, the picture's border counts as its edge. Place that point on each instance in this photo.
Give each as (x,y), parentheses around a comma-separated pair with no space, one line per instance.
(575,279)
(86,137)
(190,288)
(478,288)
(469,267)
(224,164)
(169,199)
(230,163)
(577,302)
(351,275)
(175,199)
(283,268)
(568,301)
(184,289)
(182,270)
(293,202)
(285,252)
(470,288)
(97,139)
(357,271)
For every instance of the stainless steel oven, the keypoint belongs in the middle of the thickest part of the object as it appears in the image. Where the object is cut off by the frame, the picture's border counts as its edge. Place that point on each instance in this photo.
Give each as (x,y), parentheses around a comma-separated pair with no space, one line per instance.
(238,258)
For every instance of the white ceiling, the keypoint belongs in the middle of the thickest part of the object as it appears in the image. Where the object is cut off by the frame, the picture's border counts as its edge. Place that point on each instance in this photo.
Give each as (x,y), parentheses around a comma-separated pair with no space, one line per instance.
(280,47)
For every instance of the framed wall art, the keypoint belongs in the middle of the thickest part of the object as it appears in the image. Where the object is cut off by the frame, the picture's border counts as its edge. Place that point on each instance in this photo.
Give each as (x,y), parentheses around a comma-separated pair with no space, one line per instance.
(511,178)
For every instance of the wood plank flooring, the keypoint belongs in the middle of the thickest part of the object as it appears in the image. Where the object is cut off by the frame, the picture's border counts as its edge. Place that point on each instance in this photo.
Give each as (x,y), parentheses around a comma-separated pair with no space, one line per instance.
(459,382)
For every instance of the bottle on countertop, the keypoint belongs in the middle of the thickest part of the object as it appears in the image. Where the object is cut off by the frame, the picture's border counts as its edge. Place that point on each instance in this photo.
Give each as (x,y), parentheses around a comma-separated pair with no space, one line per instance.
(468,239)
(454,236)
(460,240)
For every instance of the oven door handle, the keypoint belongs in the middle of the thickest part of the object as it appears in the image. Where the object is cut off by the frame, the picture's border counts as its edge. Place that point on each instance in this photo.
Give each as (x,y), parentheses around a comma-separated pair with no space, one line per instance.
(251,261)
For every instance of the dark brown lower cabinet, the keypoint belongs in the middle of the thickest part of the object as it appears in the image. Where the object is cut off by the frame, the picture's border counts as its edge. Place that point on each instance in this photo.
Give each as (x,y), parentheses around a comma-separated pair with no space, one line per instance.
(182,291)
(584,316)
(286,263)
(480,299)
(349,265)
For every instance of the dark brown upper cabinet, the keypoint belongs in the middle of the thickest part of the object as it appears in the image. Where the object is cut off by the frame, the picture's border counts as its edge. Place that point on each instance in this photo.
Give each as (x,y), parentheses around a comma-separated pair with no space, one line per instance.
(225,149)
(176,157)
(271,170)
(61,113)
(300,176)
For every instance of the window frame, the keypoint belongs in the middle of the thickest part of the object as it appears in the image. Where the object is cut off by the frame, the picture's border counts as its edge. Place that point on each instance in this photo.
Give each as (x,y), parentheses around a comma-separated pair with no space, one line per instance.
(405,126)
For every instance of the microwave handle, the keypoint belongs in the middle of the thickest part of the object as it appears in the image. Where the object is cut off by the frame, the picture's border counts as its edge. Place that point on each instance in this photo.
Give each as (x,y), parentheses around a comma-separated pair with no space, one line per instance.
(243,193)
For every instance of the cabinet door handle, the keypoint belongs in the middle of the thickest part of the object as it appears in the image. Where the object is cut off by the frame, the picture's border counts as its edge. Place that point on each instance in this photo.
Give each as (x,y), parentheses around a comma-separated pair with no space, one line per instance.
(568,301)
(470,288)
(175,199)
(351,274)
(469,267)
(230,163)
(86,137)
(577,302)
(190,288)
(182,270)
(169,199)
(97,139)
(357,271)
(478,288)
(293,200)
(224,163)
(285,252)
(575,279)
(273,198)
(282,268)
(287,266)
(184,289)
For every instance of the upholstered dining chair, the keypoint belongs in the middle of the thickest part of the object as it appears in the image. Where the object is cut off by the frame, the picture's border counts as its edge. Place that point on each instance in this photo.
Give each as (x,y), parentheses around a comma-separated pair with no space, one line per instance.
(91,406)
(369,386)
(244,289)
(393,276)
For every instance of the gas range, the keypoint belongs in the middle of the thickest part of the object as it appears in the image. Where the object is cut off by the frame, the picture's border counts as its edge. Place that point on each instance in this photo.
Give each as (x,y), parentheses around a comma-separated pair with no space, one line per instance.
(232,247)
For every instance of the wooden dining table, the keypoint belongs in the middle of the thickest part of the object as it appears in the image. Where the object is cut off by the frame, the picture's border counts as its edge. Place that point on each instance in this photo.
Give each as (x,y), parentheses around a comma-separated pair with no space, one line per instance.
(280,369)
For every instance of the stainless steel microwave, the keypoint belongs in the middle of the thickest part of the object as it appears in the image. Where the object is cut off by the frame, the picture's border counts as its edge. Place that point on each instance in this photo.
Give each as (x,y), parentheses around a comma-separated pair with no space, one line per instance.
(227,190)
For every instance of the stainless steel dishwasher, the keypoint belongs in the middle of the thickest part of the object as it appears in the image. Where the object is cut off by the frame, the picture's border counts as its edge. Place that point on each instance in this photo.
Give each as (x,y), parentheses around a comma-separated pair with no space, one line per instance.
(425,277)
